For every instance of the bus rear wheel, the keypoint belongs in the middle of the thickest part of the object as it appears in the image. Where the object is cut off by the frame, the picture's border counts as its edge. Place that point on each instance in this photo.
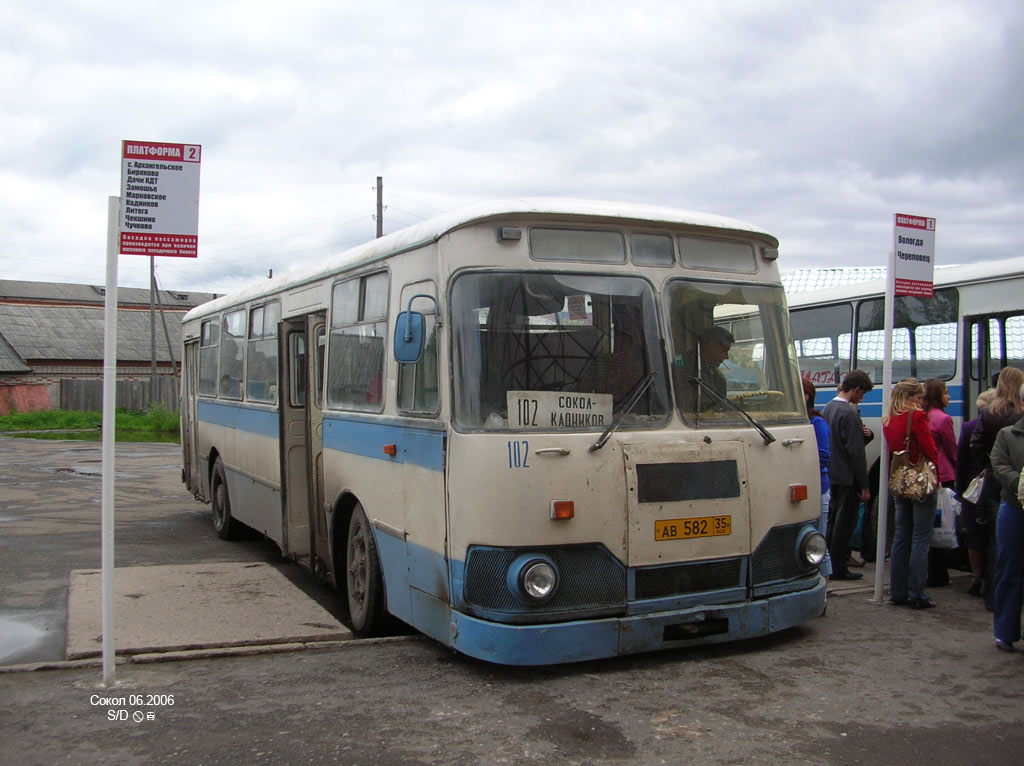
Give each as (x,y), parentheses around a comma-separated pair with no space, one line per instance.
(220,503)
(363,579)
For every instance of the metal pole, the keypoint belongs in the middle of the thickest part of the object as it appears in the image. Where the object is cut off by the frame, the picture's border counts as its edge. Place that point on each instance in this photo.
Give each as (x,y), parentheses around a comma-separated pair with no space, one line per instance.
(882,526)
(109,404)
(380,207)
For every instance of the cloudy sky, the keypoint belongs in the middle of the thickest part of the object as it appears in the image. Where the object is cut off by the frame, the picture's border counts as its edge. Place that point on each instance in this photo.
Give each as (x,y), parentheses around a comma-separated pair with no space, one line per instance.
(816,121)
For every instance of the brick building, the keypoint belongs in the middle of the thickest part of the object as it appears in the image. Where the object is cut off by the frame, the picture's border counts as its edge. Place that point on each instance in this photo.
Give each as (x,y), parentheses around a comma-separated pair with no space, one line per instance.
(52,334)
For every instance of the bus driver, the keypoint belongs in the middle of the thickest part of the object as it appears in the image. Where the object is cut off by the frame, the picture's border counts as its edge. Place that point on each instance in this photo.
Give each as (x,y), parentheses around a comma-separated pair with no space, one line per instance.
(713,348)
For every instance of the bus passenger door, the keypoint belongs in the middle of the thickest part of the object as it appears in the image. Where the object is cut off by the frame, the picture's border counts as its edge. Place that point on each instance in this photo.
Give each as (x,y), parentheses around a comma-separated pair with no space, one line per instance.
(316,332)
(190,425)
(294,465)
(302,440)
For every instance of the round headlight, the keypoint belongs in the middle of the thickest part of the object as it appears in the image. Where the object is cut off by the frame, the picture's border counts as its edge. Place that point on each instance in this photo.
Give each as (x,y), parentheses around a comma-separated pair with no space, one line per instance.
(537,580)
(813,548)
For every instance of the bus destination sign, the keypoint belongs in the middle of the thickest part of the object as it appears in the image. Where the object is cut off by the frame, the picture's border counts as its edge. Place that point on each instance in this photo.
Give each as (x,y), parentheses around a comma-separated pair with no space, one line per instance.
(558,410)
(159,199)
(913,254)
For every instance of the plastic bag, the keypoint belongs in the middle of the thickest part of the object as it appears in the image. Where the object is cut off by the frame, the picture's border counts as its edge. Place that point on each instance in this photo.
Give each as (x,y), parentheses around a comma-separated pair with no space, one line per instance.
(973,492)
(944,535)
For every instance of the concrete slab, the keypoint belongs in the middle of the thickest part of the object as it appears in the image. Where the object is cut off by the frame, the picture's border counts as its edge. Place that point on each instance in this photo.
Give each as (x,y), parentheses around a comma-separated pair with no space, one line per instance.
(194,606)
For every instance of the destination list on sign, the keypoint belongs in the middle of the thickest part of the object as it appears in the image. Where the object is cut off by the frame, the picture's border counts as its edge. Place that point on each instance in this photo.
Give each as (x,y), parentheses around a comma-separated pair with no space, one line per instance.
(160,199)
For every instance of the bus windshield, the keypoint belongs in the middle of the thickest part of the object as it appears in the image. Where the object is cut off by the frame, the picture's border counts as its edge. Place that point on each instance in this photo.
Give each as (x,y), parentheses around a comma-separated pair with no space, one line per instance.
(554,351)
(732,341)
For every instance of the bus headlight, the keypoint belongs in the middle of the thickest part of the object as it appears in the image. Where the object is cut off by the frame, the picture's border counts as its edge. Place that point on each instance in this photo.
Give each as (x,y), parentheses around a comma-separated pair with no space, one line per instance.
(533,578)
(812,548)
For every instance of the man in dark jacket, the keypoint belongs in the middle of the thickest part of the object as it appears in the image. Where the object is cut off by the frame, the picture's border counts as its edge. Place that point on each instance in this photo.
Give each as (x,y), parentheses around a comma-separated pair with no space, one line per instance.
(848,471)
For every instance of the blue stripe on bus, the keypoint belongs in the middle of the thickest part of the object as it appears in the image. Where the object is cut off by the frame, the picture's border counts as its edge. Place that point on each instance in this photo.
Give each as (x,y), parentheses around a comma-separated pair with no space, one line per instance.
(244,418)
(871,404)
(416,446)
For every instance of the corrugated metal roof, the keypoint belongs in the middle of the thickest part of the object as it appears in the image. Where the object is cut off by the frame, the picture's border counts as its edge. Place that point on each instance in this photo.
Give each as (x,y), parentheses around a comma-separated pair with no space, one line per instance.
(58,292)
(804,280)
(10,362)
(75,333)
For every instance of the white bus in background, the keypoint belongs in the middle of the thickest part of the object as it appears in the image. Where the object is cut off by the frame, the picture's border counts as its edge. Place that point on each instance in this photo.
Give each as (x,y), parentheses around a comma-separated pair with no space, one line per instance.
(489,426)
(964,335)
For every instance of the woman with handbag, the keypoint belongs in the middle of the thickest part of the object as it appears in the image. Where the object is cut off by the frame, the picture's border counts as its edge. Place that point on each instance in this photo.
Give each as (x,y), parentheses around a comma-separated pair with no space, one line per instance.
(906,431)
(936,399)
(1007,461)
(1005,410)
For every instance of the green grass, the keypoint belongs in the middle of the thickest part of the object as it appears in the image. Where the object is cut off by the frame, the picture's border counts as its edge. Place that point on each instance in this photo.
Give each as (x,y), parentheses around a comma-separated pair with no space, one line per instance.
(157,420)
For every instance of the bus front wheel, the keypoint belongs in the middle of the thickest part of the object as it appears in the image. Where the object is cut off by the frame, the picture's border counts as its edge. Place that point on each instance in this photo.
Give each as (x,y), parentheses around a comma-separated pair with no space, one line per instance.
(363,579)
(223,524)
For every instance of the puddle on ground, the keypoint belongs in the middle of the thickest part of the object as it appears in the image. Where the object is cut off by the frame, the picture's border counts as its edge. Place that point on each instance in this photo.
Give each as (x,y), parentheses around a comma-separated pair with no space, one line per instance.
(17,637)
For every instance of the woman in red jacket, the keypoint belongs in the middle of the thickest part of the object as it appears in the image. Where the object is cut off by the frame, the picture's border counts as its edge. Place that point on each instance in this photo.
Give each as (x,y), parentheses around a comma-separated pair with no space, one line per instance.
(914,519)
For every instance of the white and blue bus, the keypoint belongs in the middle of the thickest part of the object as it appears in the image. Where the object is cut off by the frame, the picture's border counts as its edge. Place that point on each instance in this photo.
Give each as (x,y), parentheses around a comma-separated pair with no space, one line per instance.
(495,426)
(964,335)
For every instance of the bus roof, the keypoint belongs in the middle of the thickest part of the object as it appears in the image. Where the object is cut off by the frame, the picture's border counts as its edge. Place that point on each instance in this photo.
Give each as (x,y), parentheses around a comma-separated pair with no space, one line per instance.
(433,229)
(947,276)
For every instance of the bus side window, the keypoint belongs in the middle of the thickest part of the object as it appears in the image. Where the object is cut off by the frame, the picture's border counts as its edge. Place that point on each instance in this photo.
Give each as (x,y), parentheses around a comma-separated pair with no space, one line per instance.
(822,336)
(923,339)
(355,355)
(232,345)
(210,334)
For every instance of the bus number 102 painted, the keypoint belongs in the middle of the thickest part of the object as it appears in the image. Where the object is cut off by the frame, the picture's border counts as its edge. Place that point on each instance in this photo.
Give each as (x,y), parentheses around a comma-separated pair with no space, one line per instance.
(518,453)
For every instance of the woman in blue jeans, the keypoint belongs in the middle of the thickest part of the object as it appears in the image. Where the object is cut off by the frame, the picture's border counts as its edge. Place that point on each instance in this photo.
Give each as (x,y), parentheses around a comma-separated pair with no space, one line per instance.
(1007,462)
(914,519)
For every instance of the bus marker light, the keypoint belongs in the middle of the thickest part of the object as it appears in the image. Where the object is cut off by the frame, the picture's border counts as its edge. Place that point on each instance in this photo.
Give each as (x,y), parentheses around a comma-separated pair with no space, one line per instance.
(797,492)
(390,449)
(562,509)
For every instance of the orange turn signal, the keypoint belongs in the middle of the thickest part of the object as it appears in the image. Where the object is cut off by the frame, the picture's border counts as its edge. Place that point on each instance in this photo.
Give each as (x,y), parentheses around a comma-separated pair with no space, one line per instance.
(562,509)
(390,449)
(797,492)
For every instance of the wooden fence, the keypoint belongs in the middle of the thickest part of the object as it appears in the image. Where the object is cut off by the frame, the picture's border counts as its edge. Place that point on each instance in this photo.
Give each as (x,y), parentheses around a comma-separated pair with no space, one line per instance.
(131,394)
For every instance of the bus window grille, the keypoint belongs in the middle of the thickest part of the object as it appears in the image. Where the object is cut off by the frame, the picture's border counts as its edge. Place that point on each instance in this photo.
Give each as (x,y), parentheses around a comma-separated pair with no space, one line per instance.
(682,579)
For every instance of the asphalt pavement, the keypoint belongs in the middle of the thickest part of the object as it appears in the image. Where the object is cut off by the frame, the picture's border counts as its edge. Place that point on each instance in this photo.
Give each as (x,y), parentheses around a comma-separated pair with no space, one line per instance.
(868,683)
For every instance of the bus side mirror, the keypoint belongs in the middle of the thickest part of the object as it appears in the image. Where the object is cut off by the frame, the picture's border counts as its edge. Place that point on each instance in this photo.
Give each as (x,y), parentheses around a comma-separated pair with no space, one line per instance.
(409,331)
(409,337)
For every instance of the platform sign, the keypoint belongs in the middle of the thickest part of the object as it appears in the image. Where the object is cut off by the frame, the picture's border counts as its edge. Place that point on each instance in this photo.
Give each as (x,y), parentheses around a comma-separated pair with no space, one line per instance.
(159,199)
(913,254)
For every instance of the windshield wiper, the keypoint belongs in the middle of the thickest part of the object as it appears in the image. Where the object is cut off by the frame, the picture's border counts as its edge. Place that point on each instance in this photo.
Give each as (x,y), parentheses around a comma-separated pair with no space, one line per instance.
(644,384)
(768,438)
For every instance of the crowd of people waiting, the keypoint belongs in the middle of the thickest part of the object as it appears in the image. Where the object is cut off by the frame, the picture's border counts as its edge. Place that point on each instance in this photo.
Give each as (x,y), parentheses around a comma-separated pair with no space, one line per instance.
(990,449)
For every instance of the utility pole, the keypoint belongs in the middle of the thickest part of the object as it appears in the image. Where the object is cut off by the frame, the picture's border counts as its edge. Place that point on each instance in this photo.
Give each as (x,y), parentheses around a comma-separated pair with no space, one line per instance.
(380,207)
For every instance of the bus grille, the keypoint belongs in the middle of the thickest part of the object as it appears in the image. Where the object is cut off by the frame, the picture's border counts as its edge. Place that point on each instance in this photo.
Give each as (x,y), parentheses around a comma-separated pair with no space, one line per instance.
(775,558)
(681,579)
(592,581)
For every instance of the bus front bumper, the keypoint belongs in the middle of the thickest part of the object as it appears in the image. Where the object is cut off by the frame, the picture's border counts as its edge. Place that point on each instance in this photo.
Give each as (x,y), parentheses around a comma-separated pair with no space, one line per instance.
(555,643)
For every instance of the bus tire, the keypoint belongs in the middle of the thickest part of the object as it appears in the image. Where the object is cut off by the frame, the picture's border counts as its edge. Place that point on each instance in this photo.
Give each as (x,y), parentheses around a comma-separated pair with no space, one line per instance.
(363,580)
(220,503)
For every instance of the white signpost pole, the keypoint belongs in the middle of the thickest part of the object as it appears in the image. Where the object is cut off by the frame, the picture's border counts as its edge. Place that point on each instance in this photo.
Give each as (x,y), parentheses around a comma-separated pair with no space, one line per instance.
(109,404)
(156,214)
(910,272)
